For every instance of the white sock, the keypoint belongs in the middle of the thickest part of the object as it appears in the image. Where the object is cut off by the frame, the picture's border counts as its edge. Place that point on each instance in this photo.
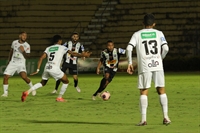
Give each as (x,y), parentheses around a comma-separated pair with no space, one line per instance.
(62,90)
(143,107)
(30,84)
(5,89)
(36,86)
(164,104)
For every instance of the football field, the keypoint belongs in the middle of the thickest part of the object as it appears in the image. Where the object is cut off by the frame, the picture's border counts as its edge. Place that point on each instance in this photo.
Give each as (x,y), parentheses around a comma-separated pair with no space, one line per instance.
(80,114)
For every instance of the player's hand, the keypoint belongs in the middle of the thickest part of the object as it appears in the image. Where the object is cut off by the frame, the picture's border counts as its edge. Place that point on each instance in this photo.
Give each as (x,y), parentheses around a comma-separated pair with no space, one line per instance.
(130,69)
(34,73)
(21,48)
(87,54)
(98,70)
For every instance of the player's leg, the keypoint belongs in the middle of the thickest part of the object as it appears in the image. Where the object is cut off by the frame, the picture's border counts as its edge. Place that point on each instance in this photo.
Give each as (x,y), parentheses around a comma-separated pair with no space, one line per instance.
(64,86)
(57,74)
(144,82)
(23,75)
(9,71)
(108,76)
(64,68)
(33,88)
(45,77)
(159,80)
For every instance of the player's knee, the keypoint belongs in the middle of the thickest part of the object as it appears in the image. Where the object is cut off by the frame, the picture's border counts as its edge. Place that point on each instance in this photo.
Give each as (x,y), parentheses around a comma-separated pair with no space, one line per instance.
(6,77)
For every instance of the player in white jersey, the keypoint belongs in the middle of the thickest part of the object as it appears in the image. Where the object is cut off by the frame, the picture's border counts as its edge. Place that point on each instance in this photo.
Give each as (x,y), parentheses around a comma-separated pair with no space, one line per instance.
(70,62)
(151,49)
(20,49)
(54,56)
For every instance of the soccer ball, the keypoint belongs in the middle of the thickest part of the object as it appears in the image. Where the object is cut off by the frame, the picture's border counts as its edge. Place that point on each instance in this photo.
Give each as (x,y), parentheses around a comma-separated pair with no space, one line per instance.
(105,95)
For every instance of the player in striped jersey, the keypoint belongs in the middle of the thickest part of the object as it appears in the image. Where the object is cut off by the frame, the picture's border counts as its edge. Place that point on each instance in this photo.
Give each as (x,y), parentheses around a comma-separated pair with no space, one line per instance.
(70,61)
(110,60)
(151,48)
(54,56)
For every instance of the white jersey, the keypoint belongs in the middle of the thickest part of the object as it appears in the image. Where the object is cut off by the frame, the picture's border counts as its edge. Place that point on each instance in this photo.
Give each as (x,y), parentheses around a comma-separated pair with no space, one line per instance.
(55,54)
(17,53)
(148,44)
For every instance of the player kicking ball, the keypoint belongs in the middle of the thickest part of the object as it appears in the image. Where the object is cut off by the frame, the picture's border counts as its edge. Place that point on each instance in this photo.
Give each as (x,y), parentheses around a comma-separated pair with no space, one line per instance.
(54,56)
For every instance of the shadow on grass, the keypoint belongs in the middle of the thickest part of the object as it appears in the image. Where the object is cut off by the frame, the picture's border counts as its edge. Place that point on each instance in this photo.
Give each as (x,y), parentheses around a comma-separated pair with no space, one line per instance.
(74,122)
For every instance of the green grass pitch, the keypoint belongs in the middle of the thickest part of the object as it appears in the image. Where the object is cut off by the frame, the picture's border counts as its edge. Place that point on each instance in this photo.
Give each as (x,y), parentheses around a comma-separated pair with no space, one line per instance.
(42,114)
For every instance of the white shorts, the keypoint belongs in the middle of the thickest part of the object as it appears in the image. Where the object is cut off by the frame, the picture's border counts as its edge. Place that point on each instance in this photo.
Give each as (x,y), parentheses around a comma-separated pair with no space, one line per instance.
(144,79)
(54,72)
(13,67)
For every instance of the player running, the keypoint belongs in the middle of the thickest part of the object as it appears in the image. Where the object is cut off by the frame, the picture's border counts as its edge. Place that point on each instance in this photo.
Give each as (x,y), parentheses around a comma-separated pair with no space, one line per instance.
(70,61)
(110,60)
(20,50)
(54,56)
(151,48)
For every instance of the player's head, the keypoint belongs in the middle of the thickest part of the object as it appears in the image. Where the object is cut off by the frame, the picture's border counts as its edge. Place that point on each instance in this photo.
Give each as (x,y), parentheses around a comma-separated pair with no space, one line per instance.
(110,45)
(57,39)
(22,36)
(149,20)
(75,37)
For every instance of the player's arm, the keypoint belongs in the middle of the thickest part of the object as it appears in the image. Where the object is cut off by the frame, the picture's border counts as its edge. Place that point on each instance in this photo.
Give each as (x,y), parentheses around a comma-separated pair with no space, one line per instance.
(84,54)
(44,55)
(26,55)
(164,50)
(129,50)
(10,55)
(99,66)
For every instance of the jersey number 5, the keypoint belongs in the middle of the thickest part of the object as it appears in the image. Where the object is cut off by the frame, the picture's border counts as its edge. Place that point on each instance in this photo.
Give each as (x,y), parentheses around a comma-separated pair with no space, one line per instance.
(153,44)
(52,55)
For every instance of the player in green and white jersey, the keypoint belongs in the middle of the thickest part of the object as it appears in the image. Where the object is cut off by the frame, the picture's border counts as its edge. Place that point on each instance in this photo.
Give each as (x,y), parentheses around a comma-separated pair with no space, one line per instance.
(54,56)
(151,48)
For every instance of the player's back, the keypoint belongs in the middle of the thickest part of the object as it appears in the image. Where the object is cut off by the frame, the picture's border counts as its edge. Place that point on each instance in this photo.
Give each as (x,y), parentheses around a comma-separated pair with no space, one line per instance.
(148,47)
(55,54)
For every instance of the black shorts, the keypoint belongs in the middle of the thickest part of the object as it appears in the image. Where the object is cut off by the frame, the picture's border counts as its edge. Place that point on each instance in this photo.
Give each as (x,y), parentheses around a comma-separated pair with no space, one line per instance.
(73,70)
(111,72)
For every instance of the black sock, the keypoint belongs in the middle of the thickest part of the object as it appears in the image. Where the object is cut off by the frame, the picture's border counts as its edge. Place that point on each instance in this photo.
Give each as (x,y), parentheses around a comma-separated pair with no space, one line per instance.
(75,83)
(57,84)
(101,87)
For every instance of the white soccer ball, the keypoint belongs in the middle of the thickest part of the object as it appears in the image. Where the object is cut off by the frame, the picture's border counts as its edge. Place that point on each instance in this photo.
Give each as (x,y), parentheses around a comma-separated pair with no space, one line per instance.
(105,95)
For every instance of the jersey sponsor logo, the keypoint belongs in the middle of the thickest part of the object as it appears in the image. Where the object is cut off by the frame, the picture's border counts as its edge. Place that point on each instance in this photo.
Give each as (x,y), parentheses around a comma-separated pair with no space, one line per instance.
(111,61)
(52,49)
(147,35)
(153,64)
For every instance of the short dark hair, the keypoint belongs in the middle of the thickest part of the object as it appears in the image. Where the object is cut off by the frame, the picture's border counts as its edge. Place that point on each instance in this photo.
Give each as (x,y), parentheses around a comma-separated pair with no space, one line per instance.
(110,41)
(75,33)
(56,38)
(22,32)
(149,20)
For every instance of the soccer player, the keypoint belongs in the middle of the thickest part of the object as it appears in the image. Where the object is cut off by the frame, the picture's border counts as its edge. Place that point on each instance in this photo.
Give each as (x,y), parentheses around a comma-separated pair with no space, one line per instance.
(70,61)
(110,60)
(20,50)
(54,56)
(151,48)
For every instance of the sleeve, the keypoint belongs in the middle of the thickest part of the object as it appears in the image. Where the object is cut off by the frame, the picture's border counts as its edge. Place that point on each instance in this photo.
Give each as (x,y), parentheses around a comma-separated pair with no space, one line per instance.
(12,45)
(133,40)
(132,43)
(46,51)
(162,39)
(102,56)
(121,51)
(165,50)
(65,44)
(28,48)
(81,49)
